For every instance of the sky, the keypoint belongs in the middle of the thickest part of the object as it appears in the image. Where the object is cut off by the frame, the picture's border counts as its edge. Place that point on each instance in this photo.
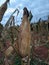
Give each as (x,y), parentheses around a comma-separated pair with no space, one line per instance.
(39,9)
